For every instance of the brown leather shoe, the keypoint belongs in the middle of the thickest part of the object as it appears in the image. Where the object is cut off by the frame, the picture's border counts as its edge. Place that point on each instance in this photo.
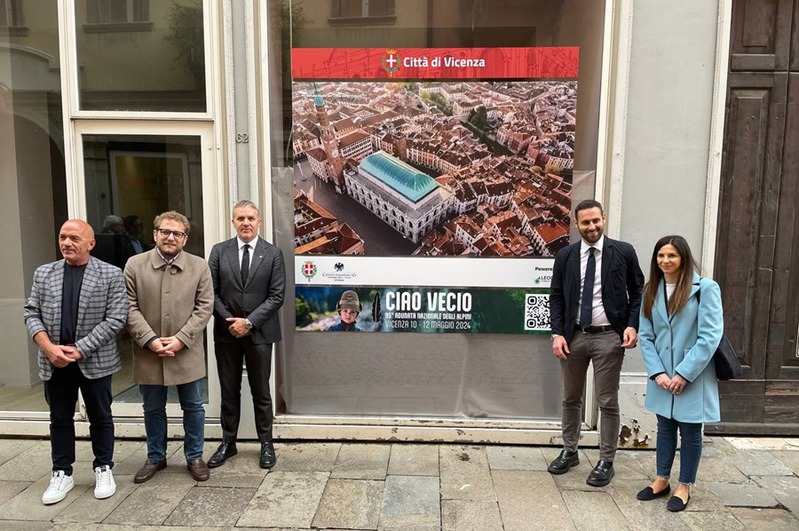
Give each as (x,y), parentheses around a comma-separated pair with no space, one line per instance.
(199,470)
(148,470)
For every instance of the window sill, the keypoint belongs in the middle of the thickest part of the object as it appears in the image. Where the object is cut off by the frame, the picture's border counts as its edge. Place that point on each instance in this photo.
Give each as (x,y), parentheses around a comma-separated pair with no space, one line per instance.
(363,21)
(14,31)
(118,27)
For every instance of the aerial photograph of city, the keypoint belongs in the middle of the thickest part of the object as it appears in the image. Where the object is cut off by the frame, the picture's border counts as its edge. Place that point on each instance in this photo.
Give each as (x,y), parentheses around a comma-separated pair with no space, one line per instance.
(451,168)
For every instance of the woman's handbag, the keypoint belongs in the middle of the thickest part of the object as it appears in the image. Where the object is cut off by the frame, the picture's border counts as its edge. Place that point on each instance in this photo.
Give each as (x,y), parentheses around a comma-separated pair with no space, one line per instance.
(725,358)
(726,361)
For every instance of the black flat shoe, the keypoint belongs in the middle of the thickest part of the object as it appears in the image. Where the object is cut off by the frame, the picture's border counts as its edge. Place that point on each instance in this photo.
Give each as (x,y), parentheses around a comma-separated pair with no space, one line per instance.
(676,504)
(601,474)
(222,454)
(648,494)
(564,462)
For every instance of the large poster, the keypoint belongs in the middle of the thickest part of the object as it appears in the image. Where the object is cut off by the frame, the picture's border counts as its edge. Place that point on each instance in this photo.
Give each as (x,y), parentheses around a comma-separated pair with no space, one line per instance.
(432,187)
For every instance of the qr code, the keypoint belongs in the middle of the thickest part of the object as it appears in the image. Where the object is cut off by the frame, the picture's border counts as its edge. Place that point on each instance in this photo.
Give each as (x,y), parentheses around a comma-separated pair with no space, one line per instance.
(536,312)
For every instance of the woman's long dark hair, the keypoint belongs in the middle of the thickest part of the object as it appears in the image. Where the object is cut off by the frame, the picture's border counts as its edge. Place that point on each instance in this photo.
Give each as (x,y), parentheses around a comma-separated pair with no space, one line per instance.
(683,290)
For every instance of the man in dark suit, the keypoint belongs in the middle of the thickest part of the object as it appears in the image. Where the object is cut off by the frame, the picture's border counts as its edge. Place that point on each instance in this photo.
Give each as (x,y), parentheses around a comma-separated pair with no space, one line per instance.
(249,285)
(594,303)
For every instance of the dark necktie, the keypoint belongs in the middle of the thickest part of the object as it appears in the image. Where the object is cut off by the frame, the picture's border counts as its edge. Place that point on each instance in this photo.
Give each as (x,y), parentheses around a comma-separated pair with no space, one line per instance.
(588,290)
(245,263)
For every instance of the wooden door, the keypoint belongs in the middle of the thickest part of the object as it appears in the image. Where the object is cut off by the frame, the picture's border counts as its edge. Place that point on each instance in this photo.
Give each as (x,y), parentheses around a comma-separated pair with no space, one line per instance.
(757,260)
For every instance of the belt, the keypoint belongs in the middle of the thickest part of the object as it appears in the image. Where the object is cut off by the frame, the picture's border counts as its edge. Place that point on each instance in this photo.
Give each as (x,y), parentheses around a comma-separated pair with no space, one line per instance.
(594,329)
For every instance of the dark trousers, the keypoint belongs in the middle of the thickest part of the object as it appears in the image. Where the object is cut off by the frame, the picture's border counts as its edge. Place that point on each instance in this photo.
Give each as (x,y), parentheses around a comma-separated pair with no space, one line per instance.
(61,393)
(229,358)
(605,352)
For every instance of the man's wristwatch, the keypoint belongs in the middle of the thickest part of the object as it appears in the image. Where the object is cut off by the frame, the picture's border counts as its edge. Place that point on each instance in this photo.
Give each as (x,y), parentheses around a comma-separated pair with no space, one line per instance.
(554,336)
(248,324)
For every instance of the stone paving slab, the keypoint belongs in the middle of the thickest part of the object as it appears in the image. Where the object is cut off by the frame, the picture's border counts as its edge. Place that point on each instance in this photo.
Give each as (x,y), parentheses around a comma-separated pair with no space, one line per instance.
(760,464)
(762,443)
(9,489)
(771,519)
(465,474)
(27,505)
(241,470)
(749,495)
(784,489)
(789,458)
(413,460)
(88,509)
(715,470)
(285,499)
(152,502)
(711,521)
(10,448)
(651,515)
(306,457)
(523,493)
(31,464)
(211,507)
(362,461)
(410,502)
(17,525)
(515,458)
(459,515)
(350,504)
(594,511)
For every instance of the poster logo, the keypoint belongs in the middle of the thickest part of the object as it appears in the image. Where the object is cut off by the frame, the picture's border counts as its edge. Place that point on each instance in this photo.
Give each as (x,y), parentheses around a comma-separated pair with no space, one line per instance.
(339,267)
(308,269)
(391,62)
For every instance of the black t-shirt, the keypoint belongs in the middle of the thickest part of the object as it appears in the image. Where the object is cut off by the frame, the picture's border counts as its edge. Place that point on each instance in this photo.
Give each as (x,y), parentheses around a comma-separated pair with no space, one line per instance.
(73,279)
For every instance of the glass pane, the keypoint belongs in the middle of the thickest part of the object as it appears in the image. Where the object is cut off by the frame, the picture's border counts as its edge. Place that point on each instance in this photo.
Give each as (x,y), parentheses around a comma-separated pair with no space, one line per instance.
(141,55)
(32,171)
(540,133)
(130,179)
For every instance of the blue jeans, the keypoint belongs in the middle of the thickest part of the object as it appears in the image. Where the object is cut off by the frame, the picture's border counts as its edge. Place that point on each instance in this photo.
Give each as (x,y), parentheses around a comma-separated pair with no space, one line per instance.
(191,402)
(690,448)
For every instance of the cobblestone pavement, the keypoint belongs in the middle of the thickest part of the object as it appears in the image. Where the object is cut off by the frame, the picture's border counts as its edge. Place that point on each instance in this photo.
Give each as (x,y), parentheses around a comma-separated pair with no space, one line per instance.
(744,483)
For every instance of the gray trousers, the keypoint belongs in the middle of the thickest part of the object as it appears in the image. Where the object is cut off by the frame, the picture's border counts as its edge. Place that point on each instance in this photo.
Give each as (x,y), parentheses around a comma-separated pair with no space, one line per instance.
(605,352)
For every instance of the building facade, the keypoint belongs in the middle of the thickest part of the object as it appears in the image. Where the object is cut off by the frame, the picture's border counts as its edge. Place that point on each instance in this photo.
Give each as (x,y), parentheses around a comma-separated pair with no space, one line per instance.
(686,123)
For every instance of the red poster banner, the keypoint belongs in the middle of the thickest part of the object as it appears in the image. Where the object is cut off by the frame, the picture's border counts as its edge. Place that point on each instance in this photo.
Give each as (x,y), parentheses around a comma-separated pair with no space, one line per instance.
(435,63)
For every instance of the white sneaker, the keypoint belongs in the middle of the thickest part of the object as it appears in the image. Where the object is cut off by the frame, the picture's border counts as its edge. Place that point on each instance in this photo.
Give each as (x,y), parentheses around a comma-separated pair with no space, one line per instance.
(104,486)
(60,484)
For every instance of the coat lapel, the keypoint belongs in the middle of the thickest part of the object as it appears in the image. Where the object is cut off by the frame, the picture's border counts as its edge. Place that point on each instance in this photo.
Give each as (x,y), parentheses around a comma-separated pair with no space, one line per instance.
(661,304)
(233,259)
(257,259)
(91,276)
(574,266)
(56,284)
(607,259)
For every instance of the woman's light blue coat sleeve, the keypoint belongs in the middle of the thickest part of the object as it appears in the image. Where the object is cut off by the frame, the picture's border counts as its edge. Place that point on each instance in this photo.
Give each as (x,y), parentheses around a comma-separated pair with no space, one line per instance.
(646,335)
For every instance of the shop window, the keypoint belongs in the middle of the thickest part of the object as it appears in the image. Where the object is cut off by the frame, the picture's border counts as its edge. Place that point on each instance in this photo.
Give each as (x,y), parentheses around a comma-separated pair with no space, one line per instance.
(374,11)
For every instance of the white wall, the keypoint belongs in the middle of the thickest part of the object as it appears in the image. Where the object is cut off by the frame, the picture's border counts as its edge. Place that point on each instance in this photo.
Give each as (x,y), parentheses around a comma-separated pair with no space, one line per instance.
(668,126)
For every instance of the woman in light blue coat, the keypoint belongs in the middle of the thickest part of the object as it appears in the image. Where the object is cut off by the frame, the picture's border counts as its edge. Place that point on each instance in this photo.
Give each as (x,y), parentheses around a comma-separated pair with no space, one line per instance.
(680,329)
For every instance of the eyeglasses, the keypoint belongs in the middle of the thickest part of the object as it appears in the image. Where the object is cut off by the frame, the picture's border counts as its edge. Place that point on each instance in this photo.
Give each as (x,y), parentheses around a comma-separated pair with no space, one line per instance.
(167,233)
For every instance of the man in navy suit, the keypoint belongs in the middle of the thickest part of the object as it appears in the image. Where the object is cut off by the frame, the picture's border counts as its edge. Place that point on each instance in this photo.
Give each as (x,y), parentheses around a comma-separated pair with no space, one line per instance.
(594,303)
(249,285)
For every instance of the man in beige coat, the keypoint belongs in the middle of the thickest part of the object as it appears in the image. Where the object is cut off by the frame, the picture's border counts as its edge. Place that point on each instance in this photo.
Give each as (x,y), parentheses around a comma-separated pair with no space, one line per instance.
(170,300)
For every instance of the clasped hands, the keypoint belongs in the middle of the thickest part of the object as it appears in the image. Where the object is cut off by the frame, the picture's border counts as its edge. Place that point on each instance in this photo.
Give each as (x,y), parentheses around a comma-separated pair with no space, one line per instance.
(673,385)
(166,347)
(62,355)
(238,327)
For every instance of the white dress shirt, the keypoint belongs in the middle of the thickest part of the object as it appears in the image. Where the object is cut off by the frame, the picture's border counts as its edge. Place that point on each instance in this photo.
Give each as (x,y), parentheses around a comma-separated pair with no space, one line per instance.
(252,245)
(598,317)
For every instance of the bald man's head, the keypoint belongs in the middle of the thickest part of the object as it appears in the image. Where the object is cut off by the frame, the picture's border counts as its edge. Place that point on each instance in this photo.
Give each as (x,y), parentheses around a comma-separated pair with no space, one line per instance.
(75,240)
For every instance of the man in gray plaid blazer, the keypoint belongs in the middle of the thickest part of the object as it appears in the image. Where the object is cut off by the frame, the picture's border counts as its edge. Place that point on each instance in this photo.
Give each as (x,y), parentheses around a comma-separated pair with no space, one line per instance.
(76,309)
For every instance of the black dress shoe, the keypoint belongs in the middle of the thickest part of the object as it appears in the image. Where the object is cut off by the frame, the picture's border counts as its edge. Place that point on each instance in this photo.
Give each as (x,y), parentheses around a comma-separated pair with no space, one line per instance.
(223,453)
(564,462)
(649,494)
(601,474)
(268,457)
(676,504)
